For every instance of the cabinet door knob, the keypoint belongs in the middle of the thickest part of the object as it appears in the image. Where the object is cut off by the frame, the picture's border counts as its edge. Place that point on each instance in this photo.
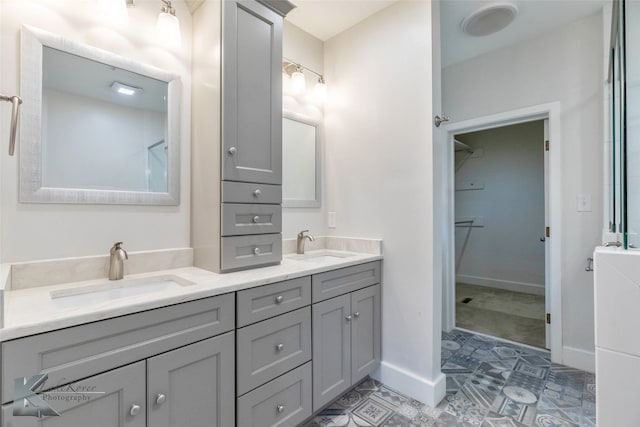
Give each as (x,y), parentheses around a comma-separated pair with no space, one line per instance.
(256,251)
(279,347)
(356,314)
(257,193)
(279,299)
(161,398)
(279,408)
(256,219)
(348,318)
(135,410)
(233,150)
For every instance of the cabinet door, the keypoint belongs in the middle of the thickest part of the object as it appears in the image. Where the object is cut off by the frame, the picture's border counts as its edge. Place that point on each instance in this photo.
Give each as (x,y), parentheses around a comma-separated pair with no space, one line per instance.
(193,385)
(365,332)
(331,349)
(105,400)
(252,93)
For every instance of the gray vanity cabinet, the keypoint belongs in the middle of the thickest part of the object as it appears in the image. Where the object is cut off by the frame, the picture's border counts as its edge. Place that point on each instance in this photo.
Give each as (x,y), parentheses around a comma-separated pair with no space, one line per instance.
(193,385)
(113,399)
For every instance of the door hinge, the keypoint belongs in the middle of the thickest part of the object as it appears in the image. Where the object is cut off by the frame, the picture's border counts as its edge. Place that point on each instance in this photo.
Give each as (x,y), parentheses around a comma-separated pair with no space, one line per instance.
(546,145)
(548,318)
(548,231)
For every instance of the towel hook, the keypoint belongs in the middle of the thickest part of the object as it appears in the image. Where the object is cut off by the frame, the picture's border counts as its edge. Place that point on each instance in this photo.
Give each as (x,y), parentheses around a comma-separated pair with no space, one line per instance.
(15,112)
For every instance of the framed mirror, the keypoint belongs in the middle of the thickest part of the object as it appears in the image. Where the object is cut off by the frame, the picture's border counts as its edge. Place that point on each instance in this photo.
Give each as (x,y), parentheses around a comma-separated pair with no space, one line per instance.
(96,128)
(301,167)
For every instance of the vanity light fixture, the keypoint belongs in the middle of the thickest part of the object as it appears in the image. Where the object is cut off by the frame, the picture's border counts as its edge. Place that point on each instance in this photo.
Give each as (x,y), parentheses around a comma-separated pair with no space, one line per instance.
(115,11)
(124,89)
(296,72)
(168,26)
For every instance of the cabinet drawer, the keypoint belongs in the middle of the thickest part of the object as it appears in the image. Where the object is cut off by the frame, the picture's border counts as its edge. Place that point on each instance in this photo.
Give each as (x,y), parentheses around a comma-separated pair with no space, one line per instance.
(70,354)
(337,282)
(272,347)
(263,302)
(246,192)
(285,401)
(241,219)
(247,251)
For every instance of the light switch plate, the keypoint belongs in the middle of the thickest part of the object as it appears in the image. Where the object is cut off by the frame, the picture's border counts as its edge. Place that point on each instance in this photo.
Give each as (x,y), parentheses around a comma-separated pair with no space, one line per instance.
(331,219)
(584,203)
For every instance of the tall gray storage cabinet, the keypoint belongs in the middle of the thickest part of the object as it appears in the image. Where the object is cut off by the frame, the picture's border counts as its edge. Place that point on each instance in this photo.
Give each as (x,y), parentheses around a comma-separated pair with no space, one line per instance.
(239,149)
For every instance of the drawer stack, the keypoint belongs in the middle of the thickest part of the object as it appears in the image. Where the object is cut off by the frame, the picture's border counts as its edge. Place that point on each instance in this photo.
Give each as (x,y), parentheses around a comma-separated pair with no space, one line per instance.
(251,218)
(273,348)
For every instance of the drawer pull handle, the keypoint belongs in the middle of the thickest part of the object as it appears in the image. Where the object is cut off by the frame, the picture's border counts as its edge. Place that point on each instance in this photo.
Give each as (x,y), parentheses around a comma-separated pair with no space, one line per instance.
(279,299)
(160,399)
(348,318)
(256,251)
(256,219)
(279,408)
(279,347)
(356,314)
(135,410)
(257,193)
(233,150)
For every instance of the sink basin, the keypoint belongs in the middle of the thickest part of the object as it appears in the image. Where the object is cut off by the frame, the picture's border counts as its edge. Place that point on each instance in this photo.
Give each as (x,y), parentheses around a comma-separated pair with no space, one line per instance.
(116,289)
(321,256)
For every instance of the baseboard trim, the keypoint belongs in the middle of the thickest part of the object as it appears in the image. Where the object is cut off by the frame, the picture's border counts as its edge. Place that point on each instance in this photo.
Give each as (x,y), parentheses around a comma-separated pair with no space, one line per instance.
(412,385)
(526,288)
(579,359)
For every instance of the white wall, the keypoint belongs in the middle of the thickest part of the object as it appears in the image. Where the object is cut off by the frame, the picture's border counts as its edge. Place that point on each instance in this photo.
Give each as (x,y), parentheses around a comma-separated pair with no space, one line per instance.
(379,177)
(504,249)
(563,66)
(36,231)
(301,47)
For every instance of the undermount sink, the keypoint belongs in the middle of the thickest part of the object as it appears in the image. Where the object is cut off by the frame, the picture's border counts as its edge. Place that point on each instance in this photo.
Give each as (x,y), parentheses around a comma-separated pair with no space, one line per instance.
(116,289)
(321,256)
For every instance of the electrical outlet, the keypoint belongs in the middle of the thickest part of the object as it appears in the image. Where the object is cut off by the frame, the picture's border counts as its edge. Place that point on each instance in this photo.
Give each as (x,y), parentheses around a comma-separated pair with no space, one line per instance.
(583,203)
(332,219)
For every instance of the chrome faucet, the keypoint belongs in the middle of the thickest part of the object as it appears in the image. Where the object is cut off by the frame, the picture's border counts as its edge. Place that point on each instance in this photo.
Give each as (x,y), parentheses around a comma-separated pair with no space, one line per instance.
(117,255)
(301,241)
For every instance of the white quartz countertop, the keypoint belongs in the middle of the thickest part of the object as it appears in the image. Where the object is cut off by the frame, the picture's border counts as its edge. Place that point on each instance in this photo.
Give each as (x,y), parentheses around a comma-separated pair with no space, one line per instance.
(33,311)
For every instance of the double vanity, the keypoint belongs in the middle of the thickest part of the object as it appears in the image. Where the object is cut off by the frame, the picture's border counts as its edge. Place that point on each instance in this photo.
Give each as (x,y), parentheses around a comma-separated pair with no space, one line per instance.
(186,346)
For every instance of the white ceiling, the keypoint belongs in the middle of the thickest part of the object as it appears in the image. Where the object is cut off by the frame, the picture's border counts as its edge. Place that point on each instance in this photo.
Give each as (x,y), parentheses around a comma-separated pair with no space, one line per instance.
(325,18)
(535,17)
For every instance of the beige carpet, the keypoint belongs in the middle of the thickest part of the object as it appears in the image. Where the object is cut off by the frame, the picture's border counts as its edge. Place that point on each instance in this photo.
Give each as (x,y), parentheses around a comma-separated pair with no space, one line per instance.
(504,314)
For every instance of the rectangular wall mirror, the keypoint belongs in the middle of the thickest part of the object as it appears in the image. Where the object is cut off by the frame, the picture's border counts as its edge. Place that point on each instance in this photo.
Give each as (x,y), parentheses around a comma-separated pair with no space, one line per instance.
(96,127)
(300,162)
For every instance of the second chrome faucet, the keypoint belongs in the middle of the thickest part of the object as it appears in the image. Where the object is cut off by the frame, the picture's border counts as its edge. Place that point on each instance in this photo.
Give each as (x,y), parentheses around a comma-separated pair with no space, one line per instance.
(117,255)
(302,237)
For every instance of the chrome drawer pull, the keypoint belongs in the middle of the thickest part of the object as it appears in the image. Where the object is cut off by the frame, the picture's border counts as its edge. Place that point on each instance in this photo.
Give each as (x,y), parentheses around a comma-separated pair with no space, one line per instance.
(257,193)
(279,408)
(279,347)
(233,151)
(256,219)
(256,251)
(356,314)
(279,299)
(348,318)
(160,399)
(135,410)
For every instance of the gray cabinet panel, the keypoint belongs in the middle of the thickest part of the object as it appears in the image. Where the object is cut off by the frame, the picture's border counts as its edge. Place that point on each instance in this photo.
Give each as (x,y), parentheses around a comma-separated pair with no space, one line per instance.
(349,279)
(248,251)
(331,349)
(69,354)
(365,332)
(193,385)
(252,93)
(263,302)
(106,402)
(283,402)
(246,192)
(241,219)
(272,347)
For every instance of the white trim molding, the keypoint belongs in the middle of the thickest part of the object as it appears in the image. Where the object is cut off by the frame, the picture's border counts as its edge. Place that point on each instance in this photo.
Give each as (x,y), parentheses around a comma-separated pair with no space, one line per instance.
(422,389)
(579,359)
(445,183)
(509,285)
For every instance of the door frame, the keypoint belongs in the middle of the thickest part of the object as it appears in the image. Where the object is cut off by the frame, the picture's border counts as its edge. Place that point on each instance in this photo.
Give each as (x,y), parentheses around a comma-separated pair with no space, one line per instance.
(553,285)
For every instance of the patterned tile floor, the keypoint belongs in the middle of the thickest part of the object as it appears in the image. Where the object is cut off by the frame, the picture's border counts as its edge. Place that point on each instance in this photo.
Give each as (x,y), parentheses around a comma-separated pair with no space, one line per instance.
(490,383)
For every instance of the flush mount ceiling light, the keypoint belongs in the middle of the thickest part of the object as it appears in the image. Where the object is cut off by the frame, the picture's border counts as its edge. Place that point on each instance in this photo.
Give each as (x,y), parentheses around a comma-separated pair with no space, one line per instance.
(489,19)
(124,89)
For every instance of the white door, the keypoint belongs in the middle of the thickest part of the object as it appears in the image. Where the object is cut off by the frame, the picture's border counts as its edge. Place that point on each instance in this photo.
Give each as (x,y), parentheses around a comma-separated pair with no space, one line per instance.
(547,252)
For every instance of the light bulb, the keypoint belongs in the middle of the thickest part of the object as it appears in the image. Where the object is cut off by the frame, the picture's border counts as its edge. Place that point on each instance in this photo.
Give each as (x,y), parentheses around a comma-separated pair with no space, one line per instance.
(115,12)
(321,90)
(168,27)
(298,81)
